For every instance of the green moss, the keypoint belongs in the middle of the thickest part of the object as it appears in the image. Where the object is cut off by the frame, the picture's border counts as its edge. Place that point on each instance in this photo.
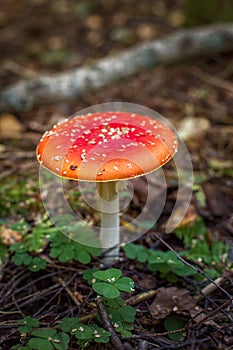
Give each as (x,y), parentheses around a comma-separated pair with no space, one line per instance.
(19,196)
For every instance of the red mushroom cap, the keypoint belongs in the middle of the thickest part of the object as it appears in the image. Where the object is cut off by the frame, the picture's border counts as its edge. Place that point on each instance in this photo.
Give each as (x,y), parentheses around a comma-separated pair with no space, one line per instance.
(106,146)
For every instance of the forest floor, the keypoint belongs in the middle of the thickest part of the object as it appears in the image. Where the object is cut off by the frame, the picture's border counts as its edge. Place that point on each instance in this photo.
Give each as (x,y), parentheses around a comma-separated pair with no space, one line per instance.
(47,37)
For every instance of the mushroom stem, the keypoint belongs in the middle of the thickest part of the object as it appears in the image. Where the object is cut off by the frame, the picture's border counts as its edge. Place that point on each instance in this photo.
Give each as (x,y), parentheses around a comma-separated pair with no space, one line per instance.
(110,227)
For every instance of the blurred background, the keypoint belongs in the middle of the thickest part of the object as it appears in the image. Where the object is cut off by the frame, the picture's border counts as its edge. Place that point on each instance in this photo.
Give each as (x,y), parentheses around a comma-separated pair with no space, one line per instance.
(45,37)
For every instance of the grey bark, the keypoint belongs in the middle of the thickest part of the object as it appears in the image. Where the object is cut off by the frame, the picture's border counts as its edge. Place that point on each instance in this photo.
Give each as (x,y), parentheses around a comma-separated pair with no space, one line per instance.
(204,41)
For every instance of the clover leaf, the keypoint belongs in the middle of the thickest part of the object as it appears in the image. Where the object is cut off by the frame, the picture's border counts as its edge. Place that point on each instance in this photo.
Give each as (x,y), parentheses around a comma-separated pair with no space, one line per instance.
(125,284)
(100,335)
(83,332)
(27,324)
(109,283)
(69,324)
(48,339)
(106,289)
(66,249)
(110,275)
(37,264)
(21,259)
(133,251)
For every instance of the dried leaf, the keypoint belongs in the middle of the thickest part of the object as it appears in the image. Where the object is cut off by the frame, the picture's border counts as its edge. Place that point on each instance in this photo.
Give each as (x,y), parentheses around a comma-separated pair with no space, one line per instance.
(169,300)
(192,128)
(9,236)
(10,126)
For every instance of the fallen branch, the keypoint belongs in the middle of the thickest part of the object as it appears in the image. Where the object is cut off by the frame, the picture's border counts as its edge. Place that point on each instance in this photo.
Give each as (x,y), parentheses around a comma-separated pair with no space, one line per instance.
(116,342)
(65,86)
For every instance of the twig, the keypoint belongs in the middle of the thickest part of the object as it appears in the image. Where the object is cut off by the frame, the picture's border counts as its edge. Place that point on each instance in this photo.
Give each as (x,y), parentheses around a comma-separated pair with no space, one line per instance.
(7,290)
(136,299)
(34,297)
(60,267)
(64,286)
(197,269)
(212,313)
(34,281)
(213,80)
(8,335)
(116,342)
(69,292)
(131,301)
(9,325)
(211,287)
(205,296)
(10,312)
(162,345)
(88,317)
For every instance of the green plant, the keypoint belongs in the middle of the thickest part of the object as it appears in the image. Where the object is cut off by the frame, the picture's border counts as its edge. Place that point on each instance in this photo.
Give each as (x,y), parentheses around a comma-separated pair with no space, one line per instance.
(65,249)
(84,333)
(18,195)
(32,241)
(166,263)
(61,246)
(38,236)
(59,338)
(49,339)
(190,232)
(3,252)
(212,257)
(109,284)
(27,324)
(138,252)
(21,257)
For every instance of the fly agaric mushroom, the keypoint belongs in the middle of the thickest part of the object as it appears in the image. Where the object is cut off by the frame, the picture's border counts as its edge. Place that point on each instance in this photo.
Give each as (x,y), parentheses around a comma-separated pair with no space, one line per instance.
(106,148)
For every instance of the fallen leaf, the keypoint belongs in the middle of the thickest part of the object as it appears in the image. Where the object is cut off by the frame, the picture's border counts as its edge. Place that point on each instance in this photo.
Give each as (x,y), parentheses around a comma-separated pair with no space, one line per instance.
(201,316)
(10,126)
(169,300)
(193,128)
(9,236)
